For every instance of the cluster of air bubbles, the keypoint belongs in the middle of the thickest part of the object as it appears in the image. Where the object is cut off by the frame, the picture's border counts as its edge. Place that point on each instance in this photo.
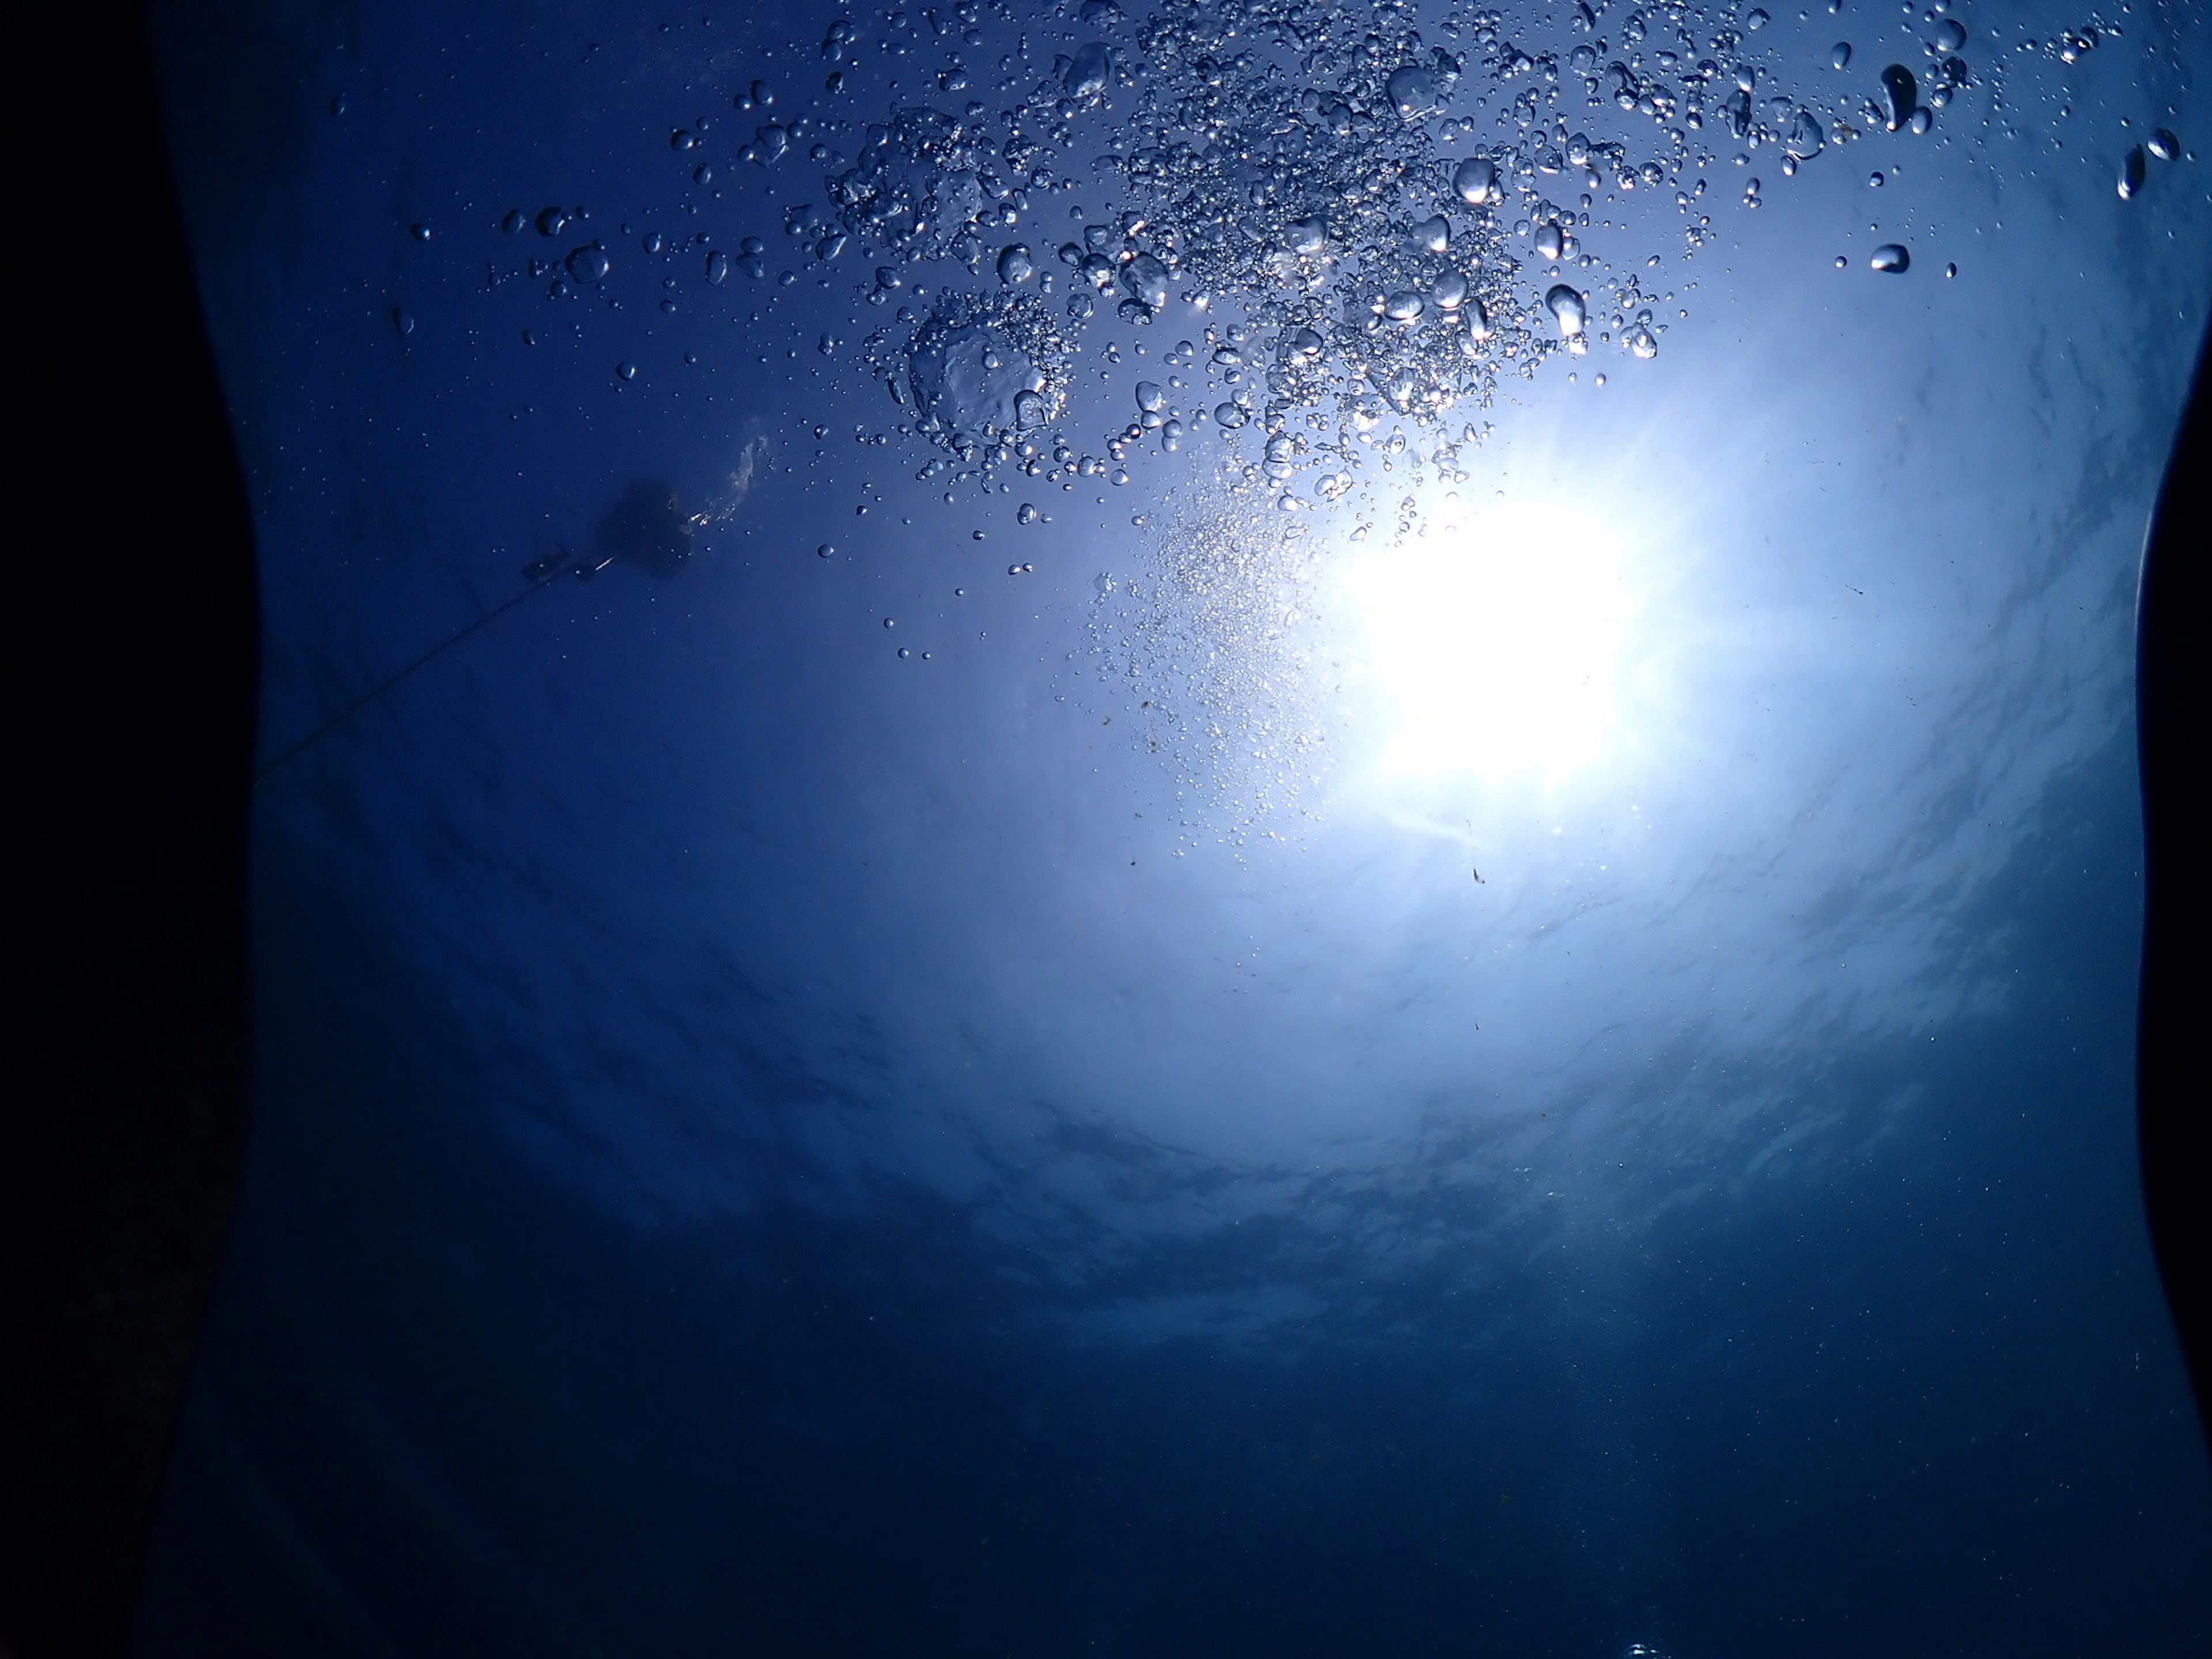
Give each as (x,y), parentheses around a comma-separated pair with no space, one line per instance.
(1354,223)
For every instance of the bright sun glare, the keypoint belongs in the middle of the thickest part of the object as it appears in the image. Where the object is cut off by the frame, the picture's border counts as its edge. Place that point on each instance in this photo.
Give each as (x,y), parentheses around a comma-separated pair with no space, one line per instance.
(1495,639)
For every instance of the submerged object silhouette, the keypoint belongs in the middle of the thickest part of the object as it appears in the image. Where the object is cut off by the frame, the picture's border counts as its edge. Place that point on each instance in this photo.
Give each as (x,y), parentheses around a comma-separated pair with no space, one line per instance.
(644,527)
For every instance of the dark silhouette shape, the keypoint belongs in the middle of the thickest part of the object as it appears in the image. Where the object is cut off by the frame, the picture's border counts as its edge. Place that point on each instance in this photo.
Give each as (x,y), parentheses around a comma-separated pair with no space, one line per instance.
(132,640)
(2173,1045)
(644,527)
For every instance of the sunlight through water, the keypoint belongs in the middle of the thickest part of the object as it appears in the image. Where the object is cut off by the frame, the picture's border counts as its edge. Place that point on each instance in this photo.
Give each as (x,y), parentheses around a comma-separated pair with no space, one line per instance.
(1495,641)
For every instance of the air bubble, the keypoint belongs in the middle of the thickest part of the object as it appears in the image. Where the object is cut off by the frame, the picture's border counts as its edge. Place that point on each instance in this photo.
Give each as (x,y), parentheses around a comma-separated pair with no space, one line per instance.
(1566,305)
(1891,256)
(1413,93)
(1087,72)
(1900,96)
(1475,181)
(1146,280)
(2131,174)
(587,263)
(1015,265)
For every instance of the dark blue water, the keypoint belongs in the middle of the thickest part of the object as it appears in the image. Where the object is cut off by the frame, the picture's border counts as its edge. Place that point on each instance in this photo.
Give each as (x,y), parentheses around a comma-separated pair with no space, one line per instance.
(765,1145)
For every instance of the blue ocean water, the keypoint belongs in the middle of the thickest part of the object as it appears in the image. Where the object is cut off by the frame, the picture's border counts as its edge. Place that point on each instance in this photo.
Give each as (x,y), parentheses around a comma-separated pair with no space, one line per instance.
(1529,1053)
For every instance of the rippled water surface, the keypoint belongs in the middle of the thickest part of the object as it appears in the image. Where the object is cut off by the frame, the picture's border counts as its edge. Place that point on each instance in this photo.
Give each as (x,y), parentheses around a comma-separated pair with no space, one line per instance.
(1252,826)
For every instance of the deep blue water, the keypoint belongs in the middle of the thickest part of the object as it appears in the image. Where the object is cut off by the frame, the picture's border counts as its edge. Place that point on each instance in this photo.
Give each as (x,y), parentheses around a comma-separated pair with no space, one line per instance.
(765,1145)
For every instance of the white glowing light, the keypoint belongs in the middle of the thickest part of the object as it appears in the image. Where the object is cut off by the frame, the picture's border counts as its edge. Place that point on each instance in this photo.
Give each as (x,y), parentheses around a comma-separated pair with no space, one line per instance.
(1495,640)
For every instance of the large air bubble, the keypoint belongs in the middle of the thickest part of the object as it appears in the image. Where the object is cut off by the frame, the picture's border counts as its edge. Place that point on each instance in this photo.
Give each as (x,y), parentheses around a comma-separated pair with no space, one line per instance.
(968,377)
